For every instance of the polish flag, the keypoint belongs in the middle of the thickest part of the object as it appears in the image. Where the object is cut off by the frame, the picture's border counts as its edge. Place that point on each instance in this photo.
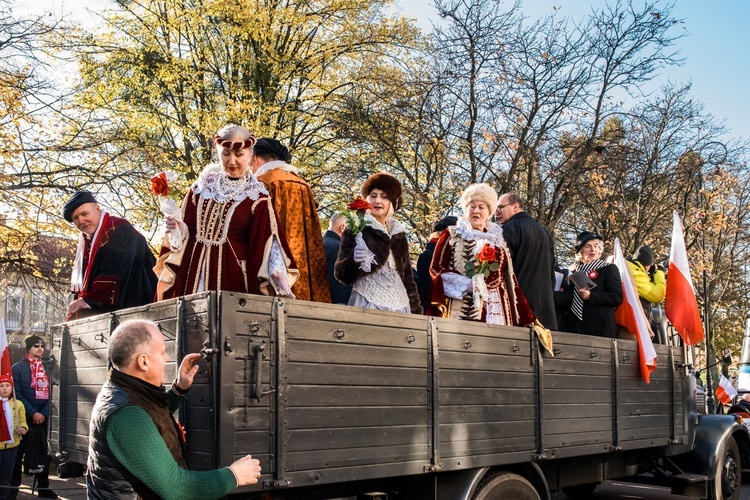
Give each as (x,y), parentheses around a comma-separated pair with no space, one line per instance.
(725,392)
(680,303)
(5,364)
(631,316)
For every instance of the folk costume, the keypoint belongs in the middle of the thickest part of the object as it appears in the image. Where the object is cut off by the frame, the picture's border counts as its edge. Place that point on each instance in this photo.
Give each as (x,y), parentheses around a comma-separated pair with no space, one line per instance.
(385,280)
(230,240)
(113,267)
(12,418)
(495,299)
(389,283)
(297,215)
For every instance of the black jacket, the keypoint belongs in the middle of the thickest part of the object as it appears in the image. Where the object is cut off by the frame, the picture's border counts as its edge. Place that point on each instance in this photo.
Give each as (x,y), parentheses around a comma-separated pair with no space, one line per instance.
(339,292)
(599,310)
(534,264)
(423,273)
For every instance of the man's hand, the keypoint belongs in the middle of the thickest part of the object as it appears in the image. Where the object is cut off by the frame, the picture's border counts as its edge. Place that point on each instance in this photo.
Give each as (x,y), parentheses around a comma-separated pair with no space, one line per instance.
(37,418)
(246,470)
(76,305)
(187,371)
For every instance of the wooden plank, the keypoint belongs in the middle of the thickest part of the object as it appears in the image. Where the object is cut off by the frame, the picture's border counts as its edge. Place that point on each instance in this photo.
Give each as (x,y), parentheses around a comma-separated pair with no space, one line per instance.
(576,425)
(556,366)
(356,437)
(356,457)
(576,397)
(577,382)
(337,374)
(320,352)
(356,396)
(485,397)
(572,439)
(487,430)
(382,334)
(567,411)
(468,448)
(361,416)
(466,414)
(484,362)
(491,380)
(518,345)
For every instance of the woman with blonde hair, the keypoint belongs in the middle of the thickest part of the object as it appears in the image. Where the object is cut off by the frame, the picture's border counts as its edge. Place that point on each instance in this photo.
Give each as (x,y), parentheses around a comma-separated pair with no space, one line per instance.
(472,273)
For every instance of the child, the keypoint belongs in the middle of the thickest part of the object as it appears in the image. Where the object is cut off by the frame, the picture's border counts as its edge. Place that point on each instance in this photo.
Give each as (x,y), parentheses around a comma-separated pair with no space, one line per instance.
(12,426)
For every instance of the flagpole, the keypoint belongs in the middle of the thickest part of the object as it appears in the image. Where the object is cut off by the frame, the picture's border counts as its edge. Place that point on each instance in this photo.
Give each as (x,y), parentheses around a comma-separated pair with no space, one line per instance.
(714,158)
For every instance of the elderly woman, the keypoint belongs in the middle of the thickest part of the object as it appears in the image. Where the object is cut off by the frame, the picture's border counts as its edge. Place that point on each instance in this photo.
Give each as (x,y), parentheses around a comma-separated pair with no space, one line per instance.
(228,237)
(593,290)
(376,260)
(471,269)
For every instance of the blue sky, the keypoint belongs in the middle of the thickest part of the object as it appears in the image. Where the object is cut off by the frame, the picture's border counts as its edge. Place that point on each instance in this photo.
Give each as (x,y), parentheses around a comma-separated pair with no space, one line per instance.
(715,49)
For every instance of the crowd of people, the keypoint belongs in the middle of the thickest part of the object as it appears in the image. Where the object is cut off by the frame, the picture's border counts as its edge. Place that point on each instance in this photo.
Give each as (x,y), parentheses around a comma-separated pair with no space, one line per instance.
(249,224)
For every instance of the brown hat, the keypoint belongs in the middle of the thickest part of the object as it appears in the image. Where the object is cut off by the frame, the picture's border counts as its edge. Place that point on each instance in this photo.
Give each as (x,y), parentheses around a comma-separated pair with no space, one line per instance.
(386,183)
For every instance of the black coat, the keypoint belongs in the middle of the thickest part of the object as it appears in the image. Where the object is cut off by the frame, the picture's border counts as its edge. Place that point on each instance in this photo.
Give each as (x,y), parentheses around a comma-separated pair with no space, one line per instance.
(423,273)
(533,257)
(339,292)
(599,309)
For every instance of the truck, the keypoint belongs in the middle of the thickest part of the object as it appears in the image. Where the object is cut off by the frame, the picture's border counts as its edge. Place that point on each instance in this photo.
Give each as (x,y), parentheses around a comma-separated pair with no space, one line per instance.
(342,402)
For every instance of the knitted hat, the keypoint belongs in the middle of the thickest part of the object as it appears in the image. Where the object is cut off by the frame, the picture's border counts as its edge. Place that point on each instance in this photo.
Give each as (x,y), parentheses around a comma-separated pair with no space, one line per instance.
(644,255)
(32,340)
(584,237)
(386,183)
(76,201)
(6,378)
(480,192)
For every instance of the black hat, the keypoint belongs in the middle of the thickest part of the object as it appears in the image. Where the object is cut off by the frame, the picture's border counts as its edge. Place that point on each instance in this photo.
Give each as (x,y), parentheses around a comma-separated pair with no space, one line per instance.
(76,201)
(32,340)
(386,183)
(644,255)
(584,237)
(444,223)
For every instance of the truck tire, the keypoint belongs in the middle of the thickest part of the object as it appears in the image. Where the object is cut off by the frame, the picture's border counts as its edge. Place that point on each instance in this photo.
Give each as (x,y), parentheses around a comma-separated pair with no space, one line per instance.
(580,490)
(726,480)
(504,486)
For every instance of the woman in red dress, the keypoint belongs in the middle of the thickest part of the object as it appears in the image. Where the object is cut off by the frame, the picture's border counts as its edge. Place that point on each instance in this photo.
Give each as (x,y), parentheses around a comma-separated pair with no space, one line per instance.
(230,239)
(471,269)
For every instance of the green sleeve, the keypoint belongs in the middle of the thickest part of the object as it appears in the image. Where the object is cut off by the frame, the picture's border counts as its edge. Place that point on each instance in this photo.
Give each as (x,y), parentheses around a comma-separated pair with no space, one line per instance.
(136,443)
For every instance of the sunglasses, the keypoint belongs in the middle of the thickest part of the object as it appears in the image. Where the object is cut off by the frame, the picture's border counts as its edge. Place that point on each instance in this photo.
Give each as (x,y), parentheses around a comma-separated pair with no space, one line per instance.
(38,345)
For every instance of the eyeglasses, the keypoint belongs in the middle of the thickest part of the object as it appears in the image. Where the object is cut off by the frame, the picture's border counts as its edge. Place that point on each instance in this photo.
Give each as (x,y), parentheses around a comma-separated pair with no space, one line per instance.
(38,345)
(500,207)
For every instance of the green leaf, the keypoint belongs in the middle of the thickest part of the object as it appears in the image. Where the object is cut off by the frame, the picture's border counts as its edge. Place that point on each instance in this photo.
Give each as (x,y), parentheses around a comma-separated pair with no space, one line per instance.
(494,266)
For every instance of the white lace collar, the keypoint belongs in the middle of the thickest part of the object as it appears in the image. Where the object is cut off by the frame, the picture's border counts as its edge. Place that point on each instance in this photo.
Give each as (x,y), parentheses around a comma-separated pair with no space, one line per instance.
(396,226)
(214,184)
(493,235)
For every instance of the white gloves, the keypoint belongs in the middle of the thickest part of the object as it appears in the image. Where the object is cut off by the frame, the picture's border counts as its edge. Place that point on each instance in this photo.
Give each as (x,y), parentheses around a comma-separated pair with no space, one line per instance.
(362,255)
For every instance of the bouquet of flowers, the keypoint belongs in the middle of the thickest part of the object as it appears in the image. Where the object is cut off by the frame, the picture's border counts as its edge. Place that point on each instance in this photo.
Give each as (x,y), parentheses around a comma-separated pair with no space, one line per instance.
(160,187)
(357,221)
(486,262)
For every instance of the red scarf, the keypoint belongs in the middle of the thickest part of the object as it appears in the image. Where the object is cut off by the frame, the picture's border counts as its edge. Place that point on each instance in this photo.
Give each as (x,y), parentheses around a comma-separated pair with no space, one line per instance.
(39,381)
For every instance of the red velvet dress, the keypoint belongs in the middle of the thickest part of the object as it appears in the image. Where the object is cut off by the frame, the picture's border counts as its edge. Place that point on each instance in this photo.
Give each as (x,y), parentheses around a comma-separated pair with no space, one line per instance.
(231,227)
(505,301)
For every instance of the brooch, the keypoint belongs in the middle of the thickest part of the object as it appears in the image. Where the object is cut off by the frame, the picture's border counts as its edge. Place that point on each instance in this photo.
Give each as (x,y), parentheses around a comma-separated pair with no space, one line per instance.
(593,274)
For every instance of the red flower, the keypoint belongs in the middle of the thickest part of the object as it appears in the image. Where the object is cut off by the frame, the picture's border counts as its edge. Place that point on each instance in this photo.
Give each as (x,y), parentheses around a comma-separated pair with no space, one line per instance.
(487,254)
(159,184)
(359,205)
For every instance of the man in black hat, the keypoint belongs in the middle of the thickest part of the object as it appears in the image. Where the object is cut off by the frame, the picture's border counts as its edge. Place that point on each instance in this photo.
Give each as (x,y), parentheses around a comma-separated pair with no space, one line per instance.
(533,257)
(425,258)
(113,268)
(32,390)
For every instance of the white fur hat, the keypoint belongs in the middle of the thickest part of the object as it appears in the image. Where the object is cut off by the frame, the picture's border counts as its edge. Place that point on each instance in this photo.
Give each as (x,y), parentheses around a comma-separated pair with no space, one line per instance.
(480,192)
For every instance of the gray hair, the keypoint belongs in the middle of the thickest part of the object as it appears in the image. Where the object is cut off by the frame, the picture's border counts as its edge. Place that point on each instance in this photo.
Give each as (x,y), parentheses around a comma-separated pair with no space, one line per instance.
(128,339)
(337,216)
(231,131)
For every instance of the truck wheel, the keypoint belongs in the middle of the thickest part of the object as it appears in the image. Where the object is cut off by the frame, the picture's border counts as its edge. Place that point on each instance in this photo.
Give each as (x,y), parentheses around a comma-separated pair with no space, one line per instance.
(726,481)
(580,490)
(503,486)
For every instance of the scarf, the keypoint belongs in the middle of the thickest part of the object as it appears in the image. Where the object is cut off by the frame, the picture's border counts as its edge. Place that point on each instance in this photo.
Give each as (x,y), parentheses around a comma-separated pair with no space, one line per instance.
(39,381)
(577,305)
(7,435)
(79,273)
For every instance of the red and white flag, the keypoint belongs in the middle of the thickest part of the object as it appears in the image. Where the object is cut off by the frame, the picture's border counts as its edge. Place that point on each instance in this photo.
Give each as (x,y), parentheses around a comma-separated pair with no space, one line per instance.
(725,392)
(680,303)
(5,364)
(631,316)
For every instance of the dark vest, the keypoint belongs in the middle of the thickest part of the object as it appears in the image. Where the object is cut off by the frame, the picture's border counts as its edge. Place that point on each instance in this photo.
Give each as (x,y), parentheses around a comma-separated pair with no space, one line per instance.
(106,477)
